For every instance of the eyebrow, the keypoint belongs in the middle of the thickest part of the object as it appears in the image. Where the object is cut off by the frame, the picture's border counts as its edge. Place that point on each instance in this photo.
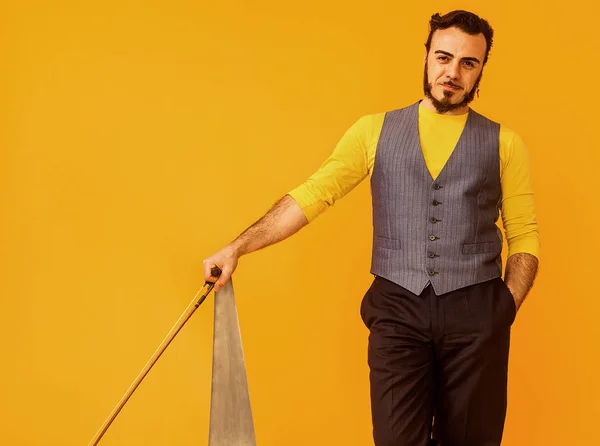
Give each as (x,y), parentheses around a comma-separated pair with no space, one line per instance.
(473,59)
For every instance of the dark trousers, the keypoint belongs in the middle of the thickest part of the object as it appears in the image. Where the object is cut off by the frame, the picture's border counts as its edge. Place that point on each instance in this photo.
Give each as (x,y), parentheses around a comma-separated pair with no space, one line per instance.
(441,358)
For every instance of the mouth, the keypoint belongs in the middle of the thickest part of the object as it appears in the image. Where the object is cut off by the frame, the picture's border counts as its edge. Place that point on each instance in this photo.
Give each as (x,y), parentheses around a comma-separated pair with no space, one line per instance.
(451,87)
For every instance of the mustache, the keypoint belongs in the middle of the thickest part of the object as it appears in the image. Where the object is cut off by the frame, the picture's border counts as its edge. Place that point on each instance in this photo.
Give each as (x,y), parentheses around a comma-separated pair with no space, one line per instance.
(451,84)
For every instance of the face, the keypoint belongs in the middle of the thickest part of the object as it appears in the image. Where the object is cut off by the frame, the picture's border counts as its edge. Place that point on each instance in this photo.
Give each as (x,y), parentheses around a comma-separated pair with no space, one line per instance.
(453,69)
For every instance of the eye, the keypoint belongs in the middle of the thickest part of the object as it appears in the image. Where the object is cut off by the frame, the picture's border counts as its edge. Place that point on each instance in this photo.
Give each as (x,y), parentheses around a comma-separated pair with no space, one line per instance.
(469,64)
(442,58)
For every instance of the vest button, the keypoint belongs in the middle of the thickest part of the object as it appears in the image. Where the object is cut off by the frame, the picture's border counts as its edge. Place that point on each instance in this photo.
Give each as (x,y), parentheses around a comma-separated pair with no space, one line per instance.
(431,255)
(433,220)
(435,202)
(432,237)
(430,272)
(436,186)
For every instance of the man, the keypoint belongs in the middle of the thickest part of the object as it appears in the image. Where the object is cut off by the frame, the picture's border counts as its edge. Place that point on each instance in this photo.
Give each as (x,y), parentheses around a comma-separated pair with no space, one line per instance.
(438,311)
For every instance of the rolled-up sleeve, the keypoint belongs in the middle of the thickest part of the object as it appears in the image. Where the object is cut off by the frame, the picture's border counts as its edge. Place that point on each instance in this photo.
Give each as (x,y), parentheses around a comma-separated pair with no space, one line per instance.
(345,168)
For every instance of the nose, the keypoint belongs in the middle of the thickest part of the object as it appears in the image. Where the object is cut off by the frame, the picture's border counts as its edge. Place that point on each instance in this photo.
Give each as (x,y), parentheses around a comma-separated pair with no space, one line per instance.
(453,70)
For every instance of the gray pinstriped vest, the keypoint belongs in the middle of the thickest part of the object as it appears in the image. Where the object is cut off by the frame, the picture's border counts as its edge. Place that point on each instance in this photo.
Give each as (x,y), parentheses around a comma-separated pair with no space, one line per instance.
(441,231)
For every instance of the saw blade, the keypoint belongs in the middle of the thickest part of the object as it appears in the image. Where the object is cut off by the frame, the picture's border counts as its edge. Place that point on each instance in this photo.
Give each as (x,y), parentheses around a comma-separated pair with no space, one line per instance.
(231,422)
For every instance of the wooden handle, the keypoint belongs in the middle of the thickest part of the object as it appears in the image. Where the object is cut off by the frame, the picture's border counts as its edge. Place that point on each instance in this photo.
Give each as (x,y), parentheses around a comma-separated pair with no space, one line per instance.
(159,351)
(215,271)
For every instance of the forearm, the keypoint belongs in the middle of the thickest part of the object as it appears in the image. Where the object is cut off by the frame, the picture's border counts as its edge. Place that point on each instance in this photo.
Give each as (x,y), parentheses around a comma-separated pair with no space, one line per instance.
(284,219)
(521,269)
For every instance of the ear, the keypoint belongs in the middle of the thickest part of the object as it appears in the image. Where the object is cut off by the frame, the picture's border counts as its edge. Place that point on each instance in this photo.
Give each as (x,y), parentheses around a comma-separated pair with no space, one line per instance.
(425,58)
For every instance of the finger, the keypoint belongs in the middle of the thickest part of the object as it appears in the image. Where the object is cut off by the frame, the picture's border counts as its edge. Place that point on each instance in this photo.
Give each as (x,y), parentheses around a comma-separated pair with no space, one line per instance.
(226,272)
(209,266)
(206,267)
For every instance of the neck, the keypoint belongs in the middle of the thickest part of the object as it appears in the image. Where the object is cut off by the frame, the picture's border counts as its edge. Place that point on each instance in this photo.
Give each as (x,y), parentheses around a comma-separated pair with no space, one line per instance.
(428,104)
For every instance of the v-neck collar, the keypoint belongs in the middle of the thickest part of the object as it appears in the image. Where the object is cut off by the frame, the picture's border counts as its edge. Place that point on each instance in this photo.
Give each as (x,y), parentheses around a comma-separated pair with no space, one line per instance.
(452,155)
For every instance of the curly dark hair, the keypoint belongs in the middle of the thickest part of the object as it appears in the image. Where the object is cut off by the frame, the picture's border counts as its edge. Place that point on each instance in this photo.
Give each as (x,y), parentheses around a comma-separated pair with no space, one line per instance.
(465,21)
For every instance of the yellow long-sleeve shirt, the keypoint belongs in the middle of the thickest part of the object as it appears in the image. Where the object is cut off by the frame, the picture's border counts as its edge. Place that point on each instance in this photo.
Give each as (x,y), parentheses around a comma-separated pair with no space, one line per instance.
(353,158)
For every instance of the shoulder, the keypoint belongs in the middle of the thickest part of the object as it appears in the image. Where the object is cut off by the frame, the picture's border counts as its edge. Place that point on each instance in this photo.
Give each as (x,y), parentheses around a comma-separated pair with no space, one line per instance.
(511,139)
(512,147)
(486,121)
(368,126)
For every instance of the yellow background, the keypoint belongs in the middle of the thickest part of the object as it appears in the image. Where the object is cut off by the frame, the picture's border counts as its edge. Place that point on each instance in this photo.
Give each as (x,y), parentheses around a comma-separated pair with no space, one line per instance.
(139,137)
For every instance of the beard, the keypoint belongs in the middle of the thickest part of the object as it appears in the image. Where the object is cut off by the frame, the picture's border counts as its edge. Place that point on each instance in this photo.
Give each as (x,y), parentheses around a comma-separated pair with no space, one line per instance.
(445,105)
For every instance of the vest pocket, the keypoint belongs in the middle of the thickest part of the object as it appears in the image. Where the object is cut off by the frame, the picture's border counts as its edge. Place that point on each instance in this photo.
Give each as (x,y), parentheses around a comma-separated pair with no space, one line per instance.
(480,248)
(386,243)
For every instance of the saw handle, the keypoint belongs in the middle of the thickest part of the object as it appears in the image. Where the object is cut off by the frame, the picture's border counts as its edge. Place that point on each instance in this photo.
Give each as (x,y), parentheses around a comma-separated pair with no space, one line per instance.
(215,271)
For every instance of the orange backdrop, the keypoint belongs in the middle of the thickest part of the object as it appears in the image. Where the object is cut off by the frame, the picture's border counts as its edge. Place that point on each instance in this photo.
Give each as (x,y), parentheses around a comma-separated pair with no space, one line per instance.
(138,137)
